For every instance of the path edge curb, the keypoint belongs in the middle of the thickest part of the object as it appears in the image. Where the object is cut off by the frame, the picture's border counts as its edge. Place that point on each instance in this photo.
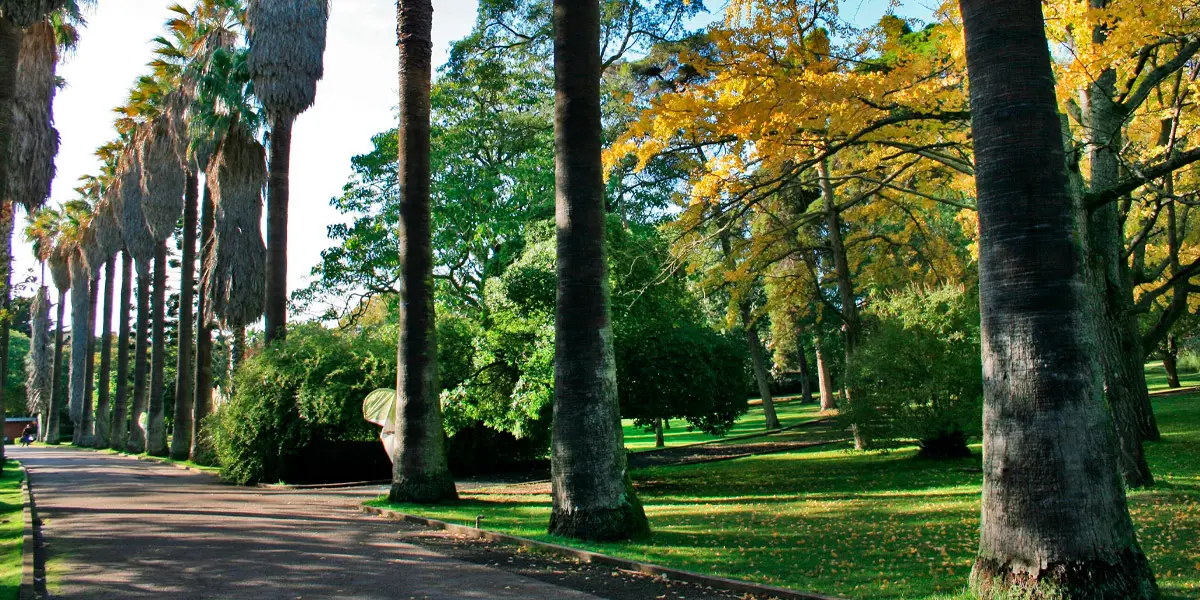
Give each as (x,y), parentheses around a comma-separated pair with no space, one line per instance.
(586,556)
(33,560)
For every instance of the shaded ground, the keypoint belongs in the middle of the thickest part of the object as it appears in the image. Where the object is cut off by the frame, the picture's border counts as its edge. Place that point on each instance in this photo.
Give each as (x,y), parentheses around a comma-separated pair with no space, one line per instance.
(115,527)
(801,436)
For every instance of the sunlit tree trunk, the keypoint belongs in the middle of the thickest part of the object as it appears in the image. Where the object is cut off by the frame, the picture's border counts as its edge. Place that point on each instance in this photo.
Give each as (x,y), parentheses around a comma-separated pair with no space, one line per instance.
(275,310)
(104,401)
(89,417)
(824,381)
(591,491)
(137,435)
(200,452)
(1054,522)
(156,428)
(758,363)
(79,346)
(1170,362)
(56,392)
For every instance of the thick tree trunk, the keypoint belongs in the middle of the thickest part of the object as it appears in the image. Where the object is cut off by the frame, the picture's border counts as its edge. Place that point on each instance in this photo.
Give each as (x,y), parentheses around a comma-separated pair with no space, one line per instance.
(824,381)
(851,324)
(79,346)
(275,311)
(200,451)
(759,364)
(120,413)
(10,50)
(89,418)
(137,435)
(1055,523)
(1170,362)
(806,396)
(56,392)
(181,438)
(6,231)
(420,472)
(156,428)
(237,350)
(104,401)
(1110,282)
(592,495)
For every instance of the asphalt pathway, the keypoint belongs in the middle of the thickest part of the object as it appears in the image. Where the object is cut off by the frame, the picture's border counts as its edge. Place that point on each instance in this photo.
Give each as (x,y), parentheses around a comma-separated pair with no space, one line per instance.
(116,527)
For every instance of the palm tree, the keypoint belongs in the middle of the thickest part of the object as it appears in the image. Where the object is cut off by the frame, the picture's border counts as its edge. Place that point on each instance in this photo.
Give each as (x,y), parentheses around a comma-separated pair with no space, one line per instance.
(287,47)
(77,213)
(40,231)
(60,272)
(420,472)
(592,496)
(15,15)
(120,420)
(1055,521)
(140,245)
(107,242)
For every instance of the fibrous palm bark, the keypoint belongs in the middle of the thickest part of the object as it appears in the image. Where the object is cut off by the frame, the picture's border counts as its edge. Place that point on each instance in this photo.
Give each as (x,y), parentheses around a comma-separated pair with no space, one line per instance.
(592,494)
(38,363)
(1054,522)
(287,47)
(420,472)
(234,270)
(79,345)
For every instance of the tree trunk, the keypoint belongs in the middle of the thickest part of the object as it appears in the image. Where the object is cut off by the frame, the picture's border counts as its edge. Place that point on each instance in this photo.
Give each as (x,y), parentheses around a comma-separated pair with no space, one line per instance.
(593,498)
(806,396)
(1170,362)
(237,350)
(156,430)
(181,438)
(1110,282)
(758,364)
(10,50)
(104,401)
(659,442)
(137,435)
(6,231)
(56,392)
(1055,523)
(79,345)
(120,413)
(420,472)
(824,381)
(851,324)
(88,438)
(200,451)
(275,311)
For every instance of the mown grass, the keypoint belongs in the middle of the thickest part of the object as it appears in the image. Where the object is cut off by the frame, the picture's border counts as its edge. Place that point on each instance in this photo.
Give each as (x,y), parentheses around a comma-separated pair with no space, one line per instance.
(789,412)
(12,529)
(1156,377)
(861,525)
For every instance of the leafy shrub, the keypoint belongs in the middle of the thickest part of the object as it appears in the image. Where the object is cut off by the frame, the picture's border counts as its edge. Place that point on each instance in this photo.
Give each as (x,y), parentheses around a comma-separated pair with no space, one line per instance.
(917,372)
(691,373)
(306,390)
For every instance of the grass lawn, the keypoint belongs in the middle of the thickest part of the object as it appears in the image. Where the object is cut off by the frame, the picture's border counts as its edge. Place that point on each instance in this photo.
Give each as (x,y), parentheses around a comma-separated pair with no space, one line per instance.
(788,412)
(1156,377)
(12,530)
(861,525)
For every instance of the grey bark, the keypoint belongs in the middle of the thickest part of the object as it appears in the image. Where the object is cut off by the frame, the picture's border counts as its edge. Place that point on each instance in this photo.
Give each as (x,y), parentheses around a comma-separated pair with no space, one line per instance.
(181,437)
(1055,523)
(137,435)
(156,428)
(104,401)
(1170,362)
(56,392)
(200,451)
(759,364)
(79,346)
(89,417)
(6,231)
(592,495)
(420,472)
(120,413)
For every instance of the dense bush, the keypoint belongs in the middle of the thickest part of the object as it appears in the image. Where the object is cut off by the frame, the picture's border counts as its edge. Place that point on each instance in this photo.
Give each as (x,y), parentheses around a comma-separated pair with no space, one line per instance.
(916,374)
(296,395)
(691,373)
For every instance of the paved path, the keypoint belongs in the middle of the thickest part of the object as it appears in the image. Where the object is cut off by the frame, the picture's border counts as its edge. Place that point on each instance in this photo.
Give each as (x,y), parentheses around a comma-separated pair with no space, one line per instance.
(116,527)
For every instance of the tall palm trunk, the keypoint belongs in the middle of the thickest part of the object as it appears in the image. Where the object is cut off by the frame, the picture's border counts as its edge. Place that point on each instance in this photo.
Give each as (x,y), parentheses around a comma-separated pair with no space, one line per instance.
(592,495)
(275,310)
(420,472)
(103,403)
(6,230)
(851,324)
(156,429)
(1055,523)
(181,438)
(120,413)
(10,49)
(79,345)
(56,392)
(89,418)
(200,451)
(137,435)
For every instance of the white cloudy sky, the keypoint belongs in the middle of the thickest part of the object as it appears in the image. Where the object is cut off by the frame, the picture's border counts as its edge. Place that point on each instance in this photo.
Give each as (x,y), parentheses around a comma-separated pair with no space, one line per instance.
(356,99)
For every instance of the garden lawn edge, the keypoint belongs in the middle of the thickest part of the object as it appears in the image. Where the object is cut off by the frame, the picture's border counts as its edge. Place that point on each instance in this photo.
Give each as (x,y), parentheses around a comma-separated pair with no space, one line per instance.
(586,556)
(33,562)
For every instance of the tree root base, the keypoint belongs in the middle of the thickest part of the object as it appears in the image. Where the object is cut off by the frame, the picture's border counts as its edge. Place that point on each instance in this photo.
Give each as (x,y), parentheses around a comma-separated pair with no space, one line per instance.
(436,488)
(1129,578)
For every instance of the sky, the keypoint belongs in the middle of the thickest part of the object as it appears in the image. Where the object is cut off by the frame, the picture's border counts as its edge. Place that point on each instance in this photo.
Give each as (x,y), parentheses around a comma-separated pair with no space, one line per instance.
(356,99)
